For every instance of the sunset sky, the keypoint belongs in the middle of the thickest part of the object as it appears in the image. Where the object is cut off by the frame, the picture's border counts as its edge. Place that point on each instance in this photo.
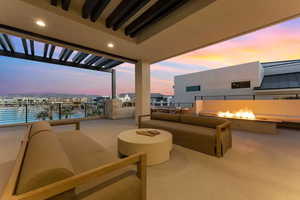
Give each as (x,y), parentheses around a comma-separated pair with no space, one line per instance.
(278,42)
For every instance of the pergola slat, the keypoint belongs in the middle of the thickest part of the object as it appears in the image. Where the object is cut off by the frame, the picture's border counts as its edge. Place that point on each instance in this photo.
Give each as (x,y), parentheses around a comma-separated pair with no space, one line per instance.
(125,10)
(68,54)
(24,43)
(48,50)
(103,62)
(98,9)
(46,46)
(76,57)
(65,4)
(47,60)
(89,58)
(3,45)
(32,47)
(8,42)
(51,51)
(82,57)
(95,59)
(62,53)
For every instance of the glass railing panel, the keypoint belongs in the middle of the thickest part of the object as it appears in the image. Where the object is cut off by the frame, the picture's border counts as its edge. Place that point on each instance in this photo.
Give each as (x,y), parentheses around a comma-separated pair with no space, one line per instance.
(11,114)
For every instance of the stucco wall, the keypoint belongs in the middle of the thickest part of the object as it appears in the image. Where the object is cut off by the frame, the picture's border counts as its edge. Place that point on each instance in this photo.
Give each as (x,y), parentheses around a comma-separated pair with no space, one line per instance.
(218,81)
(265,108)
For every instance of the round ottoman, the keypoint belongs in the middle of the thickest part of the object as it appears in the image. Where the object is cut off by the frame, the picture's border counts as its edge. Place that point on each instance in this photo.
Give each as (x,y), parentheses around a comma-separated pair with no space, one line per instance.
(157,147)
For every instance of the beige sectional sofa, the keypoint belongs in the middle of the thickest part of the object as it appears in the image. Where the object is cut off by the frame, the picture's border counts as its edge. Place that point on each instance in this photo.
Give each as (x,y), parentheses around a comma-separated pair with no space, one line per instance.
(69,165)
(204,134)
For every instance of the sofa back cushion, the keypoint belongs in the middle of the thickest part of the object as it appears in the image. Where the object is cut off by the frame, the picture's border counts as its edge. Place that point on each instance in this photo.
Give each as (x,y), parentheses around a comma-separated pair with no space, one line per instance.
(44,163)
(38,127)
(165,116)
(208,122)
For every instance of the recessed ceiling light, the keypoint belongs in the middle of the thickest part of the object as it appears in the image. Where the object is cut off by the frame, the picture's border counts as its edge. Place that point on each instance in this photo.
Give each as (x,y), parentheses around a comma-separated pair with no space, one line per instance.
(110,45)
(40,23)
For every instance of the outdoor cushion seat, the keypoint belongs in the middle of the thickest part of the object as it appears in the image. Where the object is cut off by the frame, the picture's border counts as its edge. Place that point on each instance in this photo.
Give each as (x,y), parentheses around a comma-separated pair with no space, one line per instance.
(38,127)
(194,137)
(54,156)
(92,155)
(45,162)
(204,134)
(166,116)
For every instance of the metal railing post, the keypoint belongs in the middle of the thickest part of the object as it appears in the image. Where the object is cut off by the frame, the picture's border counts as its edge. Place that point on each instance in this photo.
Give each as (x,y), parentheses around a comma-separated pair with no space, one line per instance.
(26,113)
(85,110)
(59,111)
(253,97)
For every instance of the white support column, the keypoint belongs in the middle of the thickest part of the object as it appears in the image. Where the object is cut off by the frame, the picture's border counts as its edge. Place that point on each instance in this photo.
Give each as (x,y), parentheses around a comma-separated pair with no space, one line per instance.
(142,88)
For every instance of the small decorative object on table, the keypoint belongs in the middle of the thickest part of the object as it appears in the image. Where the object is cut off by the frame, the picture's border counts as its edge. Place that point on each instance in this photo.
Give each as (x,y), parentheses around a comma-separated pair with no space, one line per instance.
(150,133)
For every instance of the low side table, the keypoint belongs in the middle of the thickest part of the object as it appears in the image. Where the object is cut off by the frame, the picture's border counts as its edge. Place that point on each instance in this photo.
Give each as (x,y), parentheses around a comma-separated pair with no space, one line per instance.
(157,147)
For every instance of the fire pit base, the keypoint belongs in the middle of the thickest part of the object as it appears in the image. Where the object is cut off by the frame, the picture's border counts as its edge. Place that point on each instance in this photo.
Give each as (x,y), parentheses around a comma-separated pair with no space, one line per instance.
(256,126)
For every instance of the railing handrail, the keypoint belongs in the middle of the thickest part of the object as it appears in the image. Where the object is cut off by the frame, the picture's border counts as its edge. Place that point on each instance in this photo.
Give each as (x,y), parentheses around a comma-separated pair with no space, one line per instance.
(25,113)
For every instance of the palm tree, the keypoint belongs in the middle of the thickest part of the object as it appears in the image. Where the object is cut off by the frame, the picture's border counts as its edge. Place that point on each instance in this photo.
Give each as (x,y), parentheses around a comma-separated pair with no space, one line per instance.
(67,111)
(42,115)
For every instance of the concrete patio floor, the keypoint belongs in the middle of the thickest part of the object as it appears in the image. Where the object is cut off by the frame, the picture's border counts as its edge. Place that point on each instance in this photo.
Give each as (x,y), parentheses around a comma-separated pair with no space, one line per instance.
(257,167)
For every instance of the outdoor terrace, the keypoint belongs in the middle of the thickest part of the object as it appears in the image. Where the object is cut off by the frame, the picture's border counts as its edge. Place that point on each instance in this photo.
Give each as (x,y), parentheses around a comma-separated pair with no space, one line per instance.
(257,167)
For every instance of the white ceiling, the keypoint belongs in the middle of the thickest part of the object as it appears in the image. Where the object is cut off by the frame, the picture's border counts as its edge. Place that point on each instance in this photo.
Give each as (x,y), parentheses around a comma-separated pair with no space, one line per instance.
(190,29)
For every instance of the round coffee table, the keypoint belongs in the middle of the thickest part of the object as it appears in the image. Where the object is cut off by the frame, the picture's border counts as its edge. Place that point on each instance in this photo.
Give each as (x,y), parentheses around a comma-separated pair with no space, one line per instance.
(157,147)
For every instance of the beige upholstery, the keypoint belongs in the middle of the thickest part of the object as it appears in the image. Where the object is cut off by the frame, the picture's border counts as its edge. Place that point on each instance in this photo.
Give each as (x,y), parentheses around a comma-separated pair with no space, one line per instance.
(194,137)
(208,122)
(165,116)
(52,156)
(93,155)
(45,162)
(194,132)
(38,127)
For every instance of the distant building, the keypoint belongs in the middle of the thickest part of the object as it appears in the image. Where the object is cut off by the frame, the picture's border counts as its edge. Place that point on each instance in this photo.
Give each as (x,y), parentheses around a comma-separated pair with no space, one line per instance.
(126,97)
(157,99)
(239,81)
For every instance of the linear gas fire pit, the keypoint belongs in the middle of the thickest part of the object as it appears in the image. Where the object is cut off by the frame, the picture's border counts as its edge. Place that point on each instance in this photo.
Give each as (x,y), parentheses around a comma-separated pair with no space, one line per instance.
(248,122)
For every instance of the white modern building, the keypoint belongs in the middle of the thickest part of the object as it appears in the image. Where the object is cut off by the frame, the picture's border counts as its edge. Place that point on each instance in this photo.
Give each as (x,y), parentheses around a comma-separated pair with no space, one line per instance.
(242,81)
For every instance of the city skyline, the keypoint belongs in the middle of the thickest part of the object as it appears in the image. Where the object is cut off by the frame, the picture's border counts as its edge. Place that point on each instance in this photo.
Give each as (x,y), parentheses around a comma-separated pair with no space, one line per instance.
(278,42)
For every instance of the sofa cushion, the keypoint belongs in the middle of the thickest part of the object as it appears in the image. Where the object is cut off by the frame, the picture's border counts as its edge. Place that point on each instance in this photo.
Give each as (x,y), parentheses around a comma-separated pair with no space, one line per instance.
(195,137)
(208,122)
(45,162)
(119,184)
(165,116)
(38,127)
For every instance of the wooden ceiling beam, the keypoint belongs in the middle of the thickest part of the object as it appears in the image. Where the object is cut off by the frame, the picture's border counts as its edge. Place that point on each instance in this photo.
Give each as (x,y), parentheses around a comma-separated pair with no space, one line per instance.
(124,11)
(65,4)
(155,13)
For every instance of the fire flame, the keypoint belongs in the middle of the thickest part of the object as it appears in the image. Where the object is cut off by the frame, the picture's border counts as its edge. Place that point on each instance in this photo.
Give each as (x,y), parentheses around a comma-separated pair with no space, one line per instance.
(241,114)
